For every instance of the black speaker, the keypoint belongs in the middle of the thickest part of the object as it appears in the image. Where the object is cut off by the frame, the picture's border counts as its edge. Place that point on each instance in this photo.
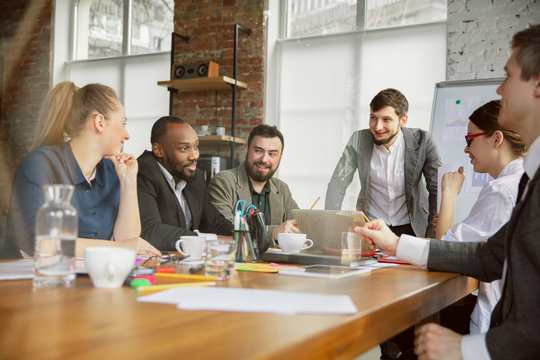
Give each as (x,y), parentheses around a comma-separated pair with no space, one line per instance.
(195,70)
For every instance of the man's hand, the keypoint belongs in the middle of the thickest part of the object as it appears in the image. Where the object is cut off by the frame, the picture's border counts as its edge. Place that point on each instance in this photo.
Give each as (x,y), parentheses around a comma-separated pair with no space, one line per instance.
(289,226)
(433,341)
(453,181)
(378,235)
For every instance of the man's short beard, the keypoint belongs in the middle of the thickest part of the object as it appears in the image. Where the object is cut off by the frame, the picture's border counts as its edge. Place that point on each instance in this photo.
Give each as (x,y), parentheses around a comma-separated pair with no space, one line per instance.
(385,141)
(258,177)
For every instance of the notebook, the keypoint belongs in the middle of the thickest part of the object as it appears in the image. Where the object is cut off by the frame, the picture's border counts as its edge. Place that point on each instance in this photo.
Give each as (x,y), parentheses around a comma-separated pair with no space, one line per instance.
(324,228)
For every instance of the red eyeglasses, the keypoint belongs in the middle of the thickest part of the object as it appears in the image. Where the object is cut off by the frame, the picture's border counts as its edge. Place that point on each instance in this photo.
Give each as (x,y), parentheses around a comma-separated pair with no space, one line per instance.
(469,138)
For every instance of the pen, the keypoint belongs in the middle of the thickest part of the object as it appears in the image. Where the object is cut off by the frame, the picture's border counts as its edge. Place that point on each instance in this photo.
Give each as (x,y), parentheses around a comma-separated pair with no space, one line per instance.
(185,276)
(194,269)
(154,288)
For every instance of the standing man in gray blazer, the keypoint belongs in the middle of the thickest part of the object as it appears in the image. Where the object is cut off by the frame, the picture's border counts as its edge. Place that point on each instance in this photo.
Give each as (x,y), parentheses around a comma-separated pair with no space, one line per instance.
(512,254)
(397,167)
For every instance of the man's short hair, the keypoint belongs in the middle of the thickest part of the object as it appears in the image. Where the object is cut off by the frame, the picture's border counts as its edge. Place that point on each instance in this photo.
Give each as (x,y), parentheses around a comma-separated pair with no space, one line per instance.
(265,131)
(159,129)
(393,98)
(526,44)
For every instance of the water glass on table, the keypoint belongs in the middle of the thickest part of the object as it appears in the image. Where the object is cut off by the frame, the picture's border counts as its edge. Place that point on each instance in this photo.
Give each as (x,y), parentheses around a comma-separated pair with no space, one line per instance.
(220,256)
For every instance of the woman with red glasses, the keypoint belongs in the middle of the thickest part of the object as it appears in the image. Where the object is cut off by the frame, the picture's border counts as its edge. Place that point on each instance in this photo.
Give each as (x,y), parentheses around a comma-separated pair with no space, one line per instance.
(498,152)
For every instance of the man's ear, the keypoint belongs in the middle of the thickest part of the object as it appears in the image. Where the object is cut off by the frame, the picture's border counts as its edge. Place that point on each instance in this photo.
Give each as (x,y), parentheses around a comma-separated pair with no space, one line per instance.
(245,150)
(403,121)
(157,150)
(537,86)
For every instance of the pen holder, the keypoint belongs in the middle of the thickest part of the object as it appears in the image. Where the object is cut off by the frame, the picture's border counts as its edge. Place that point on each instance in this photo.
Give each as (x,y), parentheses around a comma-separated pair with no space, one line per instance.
(245,249)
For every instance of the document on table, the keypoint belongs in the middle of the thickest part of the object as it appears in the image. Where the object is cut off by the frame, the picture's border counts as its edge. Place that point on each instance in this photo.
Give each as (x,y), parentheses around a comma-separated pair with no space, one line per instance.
(253,300)
(19,269)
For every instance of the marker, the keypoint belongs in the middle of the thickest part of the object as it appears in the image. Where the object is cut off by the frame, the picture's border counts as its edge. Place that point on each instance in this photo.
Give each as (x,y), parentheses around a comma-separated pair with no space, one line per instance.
(196,268)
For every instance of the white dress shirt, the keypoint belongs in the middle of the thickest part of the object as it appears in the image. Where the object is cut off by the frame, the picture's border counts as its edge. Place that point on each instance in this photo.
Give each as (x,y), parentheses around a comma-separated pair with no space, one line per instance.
(489,213)
(386,191)
(178,189)
(416,251)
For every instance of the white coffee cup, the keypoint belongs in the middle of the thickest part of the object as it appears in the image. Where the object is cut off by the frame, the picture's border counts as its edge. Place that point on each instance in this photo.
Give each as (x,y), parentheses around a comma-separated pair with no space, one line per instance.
(220,130)
(108,267)
(191,245)
(293,243)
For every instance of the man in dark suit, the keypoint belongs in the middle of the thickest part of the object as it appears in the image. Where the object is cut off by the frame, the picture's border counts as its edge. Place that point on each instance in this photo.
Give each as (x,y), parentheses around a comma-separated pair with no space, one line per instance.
(171,190)
(512,254)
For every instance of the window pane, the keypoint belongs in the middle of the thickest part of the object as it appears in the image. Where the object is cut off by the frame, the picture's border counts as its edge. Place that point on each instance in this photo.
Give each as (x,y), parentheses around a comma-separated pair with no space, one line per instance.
(99,28)
(388,13)
(320,17)
(151,26)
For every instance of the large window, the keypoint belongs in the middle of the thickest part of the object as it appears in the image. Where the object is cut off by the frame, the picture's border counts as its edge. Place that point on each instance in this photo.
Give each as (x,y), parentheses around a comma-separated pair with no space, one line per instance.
(323,74)
(322,17)
(122,27)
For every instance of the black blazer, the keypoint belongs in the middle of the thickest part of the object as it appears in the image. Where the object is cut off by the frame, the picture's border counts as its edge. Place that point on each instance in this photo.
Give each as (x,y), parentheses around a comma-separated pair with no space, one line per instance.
(515,321)
(162,218)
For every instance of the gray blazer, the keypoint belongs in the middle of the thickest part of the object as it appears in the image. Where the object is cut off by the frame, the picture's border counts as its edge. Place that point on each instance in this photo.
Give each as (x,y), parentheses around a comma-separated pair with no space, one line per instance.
(515,321)
(422,161)
(230,185)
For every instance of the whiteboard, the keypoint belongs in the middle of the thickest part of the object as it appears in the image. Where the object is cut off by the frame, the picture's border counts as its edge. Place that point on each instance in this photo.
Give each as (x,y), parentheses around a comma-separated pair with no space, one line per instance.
(453,103)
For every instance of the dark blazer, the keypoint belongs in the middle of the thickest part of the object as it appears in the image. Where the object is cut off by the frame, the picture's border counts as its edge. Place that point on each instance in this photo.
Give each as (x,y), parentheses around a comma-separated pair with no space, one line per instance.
(162,218)
(422,161)
(515,321)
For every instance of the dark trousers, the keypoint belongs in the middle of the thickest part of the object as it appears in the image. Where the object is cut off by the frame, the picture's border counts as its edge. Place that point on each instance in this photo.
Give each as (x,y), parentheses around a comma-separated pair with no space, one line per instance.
(400,346)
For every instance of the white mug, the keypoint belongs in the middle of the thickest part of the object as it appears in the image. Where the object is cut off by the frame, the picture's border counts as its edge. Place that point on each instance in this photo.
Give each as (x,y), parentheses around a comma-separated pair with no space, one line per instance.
(220,130)
(108,267)
(191,245)
(293,243)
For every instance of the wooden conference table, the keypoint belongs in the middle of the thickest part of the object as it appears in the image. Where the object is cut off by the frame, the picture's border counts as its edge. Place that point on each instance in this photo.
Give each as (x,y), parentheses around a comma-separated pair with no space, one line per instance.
(89,323)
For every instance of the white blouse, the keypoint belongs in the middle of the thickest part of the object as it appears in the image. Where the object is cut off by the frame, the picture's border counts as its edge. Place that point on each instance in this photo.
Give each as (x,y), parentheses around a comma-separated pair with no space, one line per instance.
(489,213)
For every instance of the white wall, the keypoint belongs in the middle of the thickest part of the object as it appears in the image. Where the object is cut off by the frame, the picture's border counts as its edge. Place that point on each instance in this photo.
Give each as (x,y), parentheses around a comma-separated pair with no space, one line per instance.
(479,34)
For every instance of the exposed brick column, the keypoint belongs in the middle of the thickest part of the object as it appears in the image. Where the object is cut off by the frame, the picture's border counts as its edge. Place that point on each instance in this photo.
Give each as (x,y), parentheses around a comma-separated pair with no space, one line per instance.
(210,25)
(26,45)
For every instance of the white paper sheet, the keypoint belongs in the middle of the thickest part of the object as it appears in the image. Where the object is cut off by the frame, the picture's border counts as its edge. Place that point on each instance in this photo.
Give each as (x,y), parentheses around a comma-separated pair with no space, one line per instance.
(253,300)
(19,269)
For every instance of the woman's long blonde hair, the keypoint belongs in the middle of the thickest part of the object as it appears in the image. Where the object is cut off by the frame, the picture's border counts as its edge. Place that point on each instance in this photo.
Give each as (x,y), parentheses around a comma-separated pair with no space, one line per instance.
(66,109)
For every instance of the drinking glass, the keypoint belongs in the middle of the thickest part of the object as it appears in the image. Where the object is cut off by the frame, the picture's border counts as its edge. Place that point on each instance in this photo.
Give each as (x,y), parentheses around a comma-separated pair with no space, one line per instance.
(56,232)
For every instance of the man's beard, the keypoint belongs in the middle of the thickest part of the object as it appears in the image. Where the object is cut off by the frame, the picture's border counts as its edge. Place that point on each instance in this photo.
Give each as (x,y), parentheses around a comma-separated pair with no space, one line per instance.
(257,176)
(183,176)
(385,141)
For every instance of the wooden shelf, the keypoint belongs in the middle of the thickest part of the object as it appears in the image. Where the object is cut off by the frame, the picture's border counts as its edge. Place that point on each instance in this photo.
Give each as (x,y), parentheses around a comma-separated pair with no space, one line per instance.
(212,140)
(203,84)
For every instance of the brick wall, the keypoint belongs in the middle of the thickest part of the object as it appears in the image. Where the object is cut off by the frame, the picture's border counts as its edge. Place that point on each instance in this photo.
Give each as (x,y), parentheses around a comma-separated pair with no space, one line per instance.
(26,45)
(479,34)
(210,25)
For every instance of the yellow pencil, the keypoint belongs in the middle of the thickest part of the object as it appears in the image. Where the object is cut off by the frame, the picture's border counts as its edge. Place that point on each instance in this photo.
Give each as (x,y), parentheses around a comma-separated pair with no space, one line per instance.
(365,217)
(185,276)
(315,203)
(154,288)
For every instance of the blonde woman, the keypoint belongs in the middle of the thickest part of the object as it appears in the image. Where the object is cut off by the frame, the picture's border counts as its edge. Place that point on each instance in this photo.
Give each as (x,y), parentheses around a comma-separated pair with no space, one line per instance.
(81,133)
(498,152)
